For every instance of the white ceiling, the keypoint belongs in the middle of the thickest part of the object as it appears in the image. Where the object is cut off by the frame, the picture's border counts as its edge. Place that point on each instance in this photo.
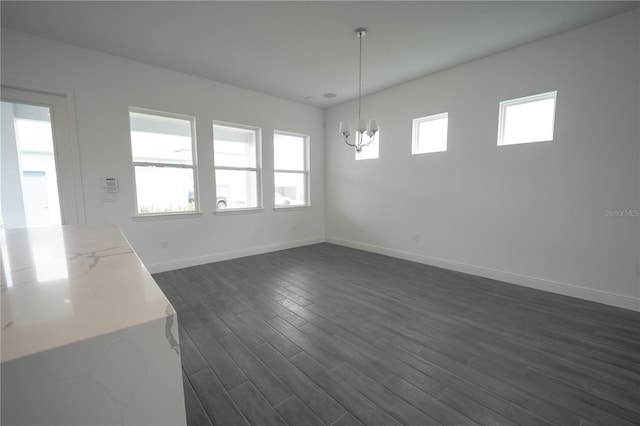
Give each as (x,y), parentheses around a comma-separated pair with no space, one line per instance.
(297,49)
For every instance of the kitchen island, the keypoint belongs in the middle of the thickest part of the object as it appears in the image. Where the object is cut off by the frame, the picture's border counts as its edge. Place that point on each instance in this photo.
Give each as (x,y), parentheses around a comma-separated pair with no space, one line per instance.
(88,337)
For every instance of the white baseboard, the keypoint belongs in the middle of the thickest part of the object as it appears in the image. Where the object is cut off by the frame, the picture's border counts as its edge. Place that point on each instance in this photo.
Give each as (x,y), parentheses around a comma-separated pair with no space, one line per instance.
(599,296)
(234,254)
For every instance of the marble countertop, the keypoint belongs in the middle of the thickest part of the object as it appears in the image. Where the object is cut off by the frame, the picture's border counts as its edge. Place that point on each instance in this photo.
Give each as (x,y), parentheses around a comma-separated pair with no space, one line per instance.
(65,284)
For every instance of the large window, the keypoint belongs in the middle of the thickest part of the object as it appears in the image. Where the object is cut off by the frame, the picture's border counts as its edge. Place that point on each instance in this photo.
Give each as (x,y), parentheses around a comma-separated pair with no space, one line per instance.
(162,147)
(430,134)
(528,119)
(236,150)
(291,169)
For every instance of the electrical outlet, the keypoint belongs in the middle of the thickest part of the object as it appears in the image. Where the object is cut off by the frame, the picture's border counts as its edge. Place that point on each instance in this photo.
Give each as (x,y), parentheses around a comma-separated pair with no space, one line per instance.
(638,268)
(164,244)
(416,237)
(294,228)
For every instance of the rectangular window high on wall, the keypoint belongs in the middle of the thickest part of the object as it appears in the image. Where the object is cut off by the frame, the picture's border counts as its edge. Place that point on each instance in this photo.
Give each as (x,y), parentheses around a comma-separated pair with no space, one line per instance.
(291,169)
(370,151)
(430,134)
(164,162)
(528,119)
(236,151)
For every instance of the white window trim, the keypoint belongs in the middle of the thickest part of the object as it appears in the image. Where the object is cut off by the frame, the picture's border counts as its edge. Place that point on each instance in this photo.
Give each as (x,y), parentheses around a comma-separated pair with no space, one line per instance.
(416,132)
(194,166)
(524,100)
(289,208)
(166,216)
(257,169)
(246,210)
(306,171)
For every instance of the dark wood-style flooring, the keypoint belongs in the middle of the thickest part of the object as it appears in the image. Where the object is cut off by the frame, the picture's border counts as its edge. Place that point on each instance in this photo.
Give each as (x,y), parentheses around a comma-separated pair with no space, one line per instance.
(327,335)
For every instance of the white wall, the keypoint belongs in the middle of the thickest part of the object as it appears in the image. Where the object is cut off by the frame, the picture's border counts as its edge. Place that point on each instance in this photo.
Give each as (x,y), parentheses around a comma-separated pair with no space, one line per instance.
(529,214)
(104,87)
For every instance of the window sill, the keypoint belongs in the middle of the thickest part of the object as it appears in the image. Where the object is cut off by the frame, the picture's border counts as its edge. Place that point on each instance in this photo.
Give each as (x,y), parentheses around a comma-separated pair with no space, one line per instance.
(285,208)
(251,210)
(505,143)
(166,216)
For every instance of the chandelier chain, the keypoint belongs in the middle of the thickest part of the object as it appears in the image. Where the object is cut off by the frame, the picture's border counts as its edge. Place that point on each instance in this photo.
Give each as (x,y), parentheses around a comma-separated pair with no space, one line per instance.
(360,77)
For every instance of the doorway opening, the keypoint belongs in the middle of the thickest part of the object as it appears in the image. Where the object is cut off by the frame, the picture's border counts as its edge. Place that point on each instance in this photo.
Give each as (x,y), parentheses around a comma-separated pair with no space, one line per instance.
(28,167)
(40,179)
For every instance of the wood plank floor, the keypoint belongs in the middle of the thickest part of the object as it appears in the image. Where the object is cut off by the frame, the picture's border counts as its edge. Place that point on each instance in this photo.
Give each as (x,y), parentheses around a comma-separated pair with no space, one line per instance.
(327,335)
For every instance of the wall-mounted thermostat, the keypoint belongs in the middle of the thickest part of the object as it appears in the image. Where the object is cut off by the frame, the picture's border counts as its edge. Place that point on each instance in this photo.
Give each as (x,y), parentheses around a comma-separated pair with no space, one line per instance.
(110,184)
(110,188)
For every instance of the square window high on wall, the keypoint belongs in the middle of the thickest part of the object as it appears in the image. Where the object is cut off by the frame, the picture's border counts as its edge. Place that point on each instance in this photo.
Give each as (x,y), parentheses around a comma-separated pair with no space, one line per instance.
(370,151)
(291,169)
(526,120)
(430,134)
(164,162)
(236,151)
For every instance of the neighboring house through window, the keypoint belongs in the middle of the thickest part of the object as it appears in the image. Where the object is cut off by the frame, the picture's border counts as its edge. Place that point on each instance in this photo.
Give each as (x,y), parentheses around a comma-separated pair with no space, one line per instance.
(163,153)
(236,150)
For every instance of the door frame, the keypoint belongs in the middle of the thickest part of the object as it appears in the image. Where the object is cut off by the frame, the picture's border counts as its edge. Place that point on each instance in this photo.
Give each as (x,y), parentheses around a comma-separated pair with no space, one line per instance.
(65,145)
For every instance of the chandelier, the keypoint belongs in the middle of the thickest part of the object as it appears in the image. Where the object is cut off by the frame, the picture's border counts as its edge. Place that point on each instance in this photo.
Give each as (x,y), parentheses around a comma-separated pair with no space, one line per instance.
(363,127)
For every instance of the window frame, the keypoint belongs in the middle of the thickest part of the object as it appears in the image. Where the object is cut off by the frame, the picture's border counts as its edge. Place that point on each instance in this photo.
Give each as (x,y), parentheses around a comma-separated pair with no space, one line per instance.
(193,166)
(502,121)
(257,168)
(415,137)
(306,172)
